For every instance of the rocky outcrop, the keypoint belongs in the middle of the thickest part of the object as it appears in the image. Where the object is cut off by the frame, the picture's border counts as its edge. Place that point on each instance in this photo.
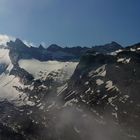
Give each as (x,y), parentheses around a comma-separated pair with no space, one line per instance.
(109,86)
(107,48)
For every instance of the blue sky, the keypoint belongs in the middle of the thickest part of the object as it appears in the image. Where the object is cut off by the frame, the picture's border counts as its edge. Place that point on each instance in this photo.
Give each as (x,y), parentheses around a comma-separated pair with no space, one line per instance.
(71,22)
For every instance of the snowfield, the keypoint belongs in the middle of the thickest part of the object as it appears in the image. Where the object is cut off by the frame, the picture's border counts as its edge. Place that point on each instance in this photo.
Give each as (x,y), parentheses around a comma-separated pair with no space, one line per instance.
(8,83)
(8,91)
(41,69)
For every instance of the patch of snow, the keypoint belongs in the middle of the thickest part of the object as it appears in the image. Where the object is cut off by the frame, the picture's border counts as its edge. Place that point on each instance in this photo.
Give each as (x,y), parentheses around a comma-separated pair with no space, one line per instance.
(51,105)
(76,130)
(101,71)
(120,50)
(124,98)
(110,100)
(98,91)
(100,121)
(30,112)
(109,86)
(133,50)
(116,108)
(115,53)
(132,136)
(95,112)
(89,89)
(104,96)
(39,104)
(86,83)
(115,115)
(124,112)
(71,93)
(84,100)
(103,74)
(120,59)
(99,82)
(70,102)
(98,72)
(41,107)
(30,103)
(35,97)
(61,89)
(42,86)
(38,101)
(128,60)
(92,92)
(124,60)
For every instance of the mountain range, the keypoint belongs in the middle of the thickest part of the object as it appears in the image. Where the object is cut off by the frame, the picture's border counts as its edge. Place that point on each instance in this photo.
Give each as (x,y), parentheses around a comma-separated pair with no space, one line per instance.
(77,93)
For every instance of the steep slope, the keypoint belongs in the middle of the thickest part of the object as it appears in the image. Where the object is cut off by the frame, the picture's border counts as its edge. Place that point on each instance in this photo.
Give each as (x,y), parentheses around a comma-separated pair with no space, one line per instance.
(109,86)
(8,83)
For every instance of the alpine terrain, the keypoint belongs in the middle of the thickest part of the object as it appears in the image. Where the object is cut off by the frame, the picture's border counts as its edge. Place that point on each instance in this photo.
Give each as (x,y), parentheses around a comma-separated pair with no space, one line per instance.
(63,93)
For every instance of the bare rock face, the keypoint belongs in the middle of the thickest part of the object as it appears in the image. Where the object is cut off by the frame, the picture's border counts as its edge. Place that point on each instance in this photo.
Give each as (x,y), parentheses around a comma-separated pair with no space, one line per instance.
(109,86)
(107,48)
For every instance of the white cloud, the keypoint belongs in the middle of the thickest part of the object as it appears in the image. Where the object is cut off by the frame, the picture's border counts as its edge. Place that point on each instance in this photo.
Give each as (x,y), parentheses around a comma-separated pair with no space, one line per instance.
(5,38)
